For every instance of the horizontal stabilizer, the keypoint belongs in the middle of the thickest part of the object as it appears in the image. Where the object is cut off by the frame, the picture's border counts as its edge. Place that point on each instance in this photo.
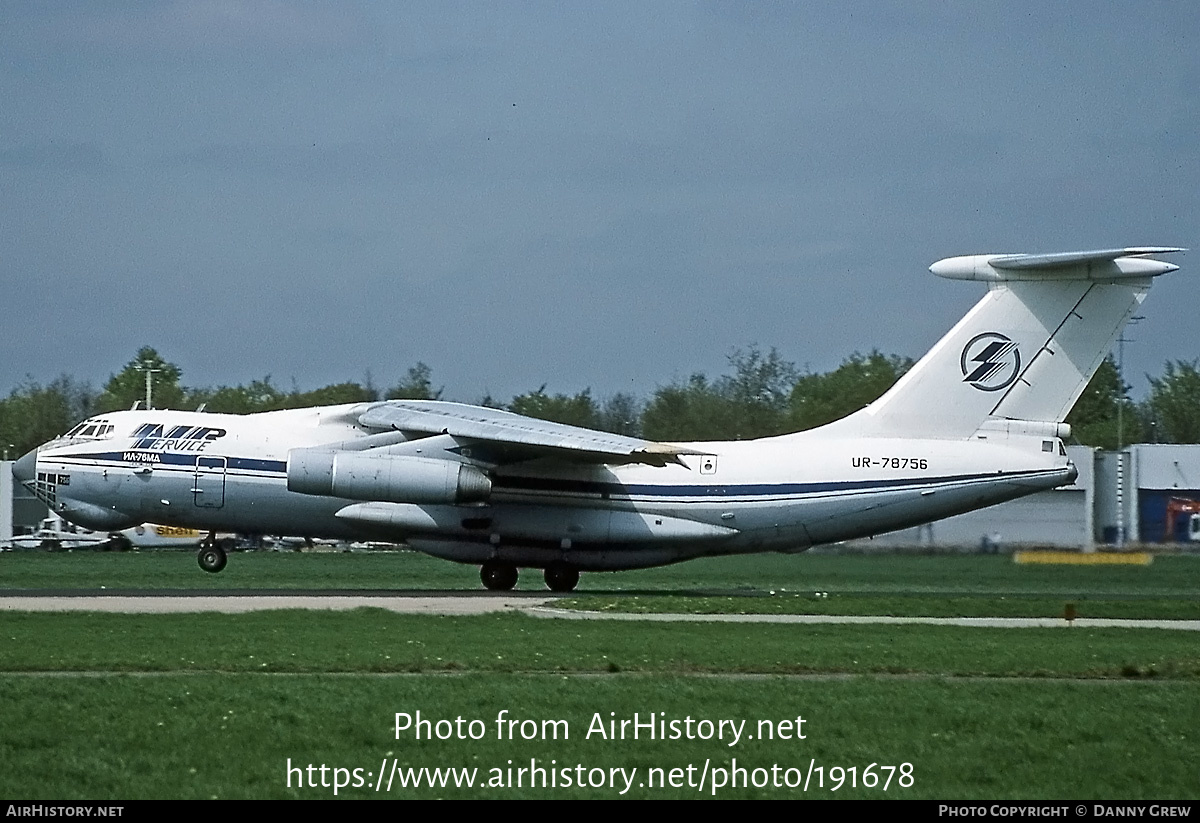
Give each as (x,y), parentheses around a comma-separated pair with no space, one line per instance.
(1102,264)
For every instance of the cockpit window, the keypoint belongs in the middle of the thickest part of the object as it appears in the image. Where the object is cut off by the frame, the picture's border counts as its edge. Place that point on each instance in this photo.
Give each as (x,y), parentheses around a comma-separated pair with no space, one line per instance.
(92,429)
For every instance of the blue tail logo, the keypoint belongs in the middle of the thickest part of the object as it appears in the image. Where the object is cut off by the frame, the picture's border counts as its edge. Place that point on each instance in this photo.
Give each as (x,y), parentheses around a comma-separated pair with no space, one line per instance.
(990,362)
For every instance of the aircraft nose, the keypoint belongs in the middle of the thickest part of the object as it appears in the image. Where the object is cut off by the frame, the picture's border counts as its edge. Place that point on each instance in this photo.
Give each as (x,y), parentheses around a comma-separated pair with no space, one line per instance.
(25,469)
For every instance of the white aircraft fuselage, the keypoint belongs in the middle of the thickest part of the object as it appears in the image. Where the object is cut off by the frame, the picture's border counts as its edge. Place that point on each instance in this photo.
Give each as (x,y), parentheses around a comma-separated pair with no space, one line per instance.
(975,422)
(230,473)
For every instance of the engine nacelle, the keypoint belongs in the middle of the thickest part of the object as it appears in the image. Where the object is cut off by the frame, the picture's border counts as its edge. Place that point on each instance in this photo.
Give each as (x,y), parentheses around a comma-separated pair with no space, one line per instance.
(393,478)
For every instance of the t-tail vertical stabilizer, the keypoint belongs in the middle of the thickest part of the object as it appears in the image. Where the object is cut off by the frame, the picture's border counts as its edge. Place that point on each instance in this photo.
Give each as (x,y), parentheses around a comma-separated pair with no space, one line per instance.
(1026,351)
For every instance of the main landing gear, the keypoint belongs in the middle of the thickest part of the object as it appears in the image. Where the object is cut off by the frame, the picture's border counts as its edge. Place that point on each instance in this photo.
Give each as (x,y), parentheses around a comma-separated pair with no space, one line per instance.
(501,576)
(212,557)
(561,577)
(498,575)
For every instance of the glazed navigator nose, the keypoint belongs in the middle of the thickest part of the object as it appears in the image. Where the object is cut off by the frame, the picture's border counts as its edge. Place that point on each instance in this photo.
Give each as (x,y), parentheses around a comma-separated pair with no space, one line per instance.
(25,469)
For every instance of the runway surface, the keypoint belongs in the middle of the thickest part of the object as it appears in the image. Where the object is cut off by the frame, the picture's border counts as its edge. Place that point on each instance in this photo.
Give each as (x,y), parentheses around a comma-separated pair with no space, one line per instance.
(240,602)
(475,603)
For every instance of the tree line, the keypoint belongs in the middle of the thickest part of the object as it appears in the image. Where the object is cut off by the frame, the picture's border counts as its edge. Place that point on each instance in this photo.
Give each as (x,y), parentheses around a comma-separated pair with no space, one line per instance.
(761,394)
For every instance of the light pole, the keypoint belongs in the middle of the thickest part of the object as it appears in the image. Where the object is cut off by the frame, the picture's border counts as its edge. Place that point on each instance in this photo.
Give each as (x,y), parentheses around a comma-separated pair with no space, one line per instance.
(148,368)
(1121,517)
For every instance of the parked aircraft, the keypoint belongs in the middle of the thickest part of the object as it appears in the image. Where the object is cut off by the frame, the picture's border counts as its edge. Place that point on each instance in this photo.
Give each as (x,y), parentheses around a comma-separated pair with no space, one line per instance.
(977,421)
(56,533)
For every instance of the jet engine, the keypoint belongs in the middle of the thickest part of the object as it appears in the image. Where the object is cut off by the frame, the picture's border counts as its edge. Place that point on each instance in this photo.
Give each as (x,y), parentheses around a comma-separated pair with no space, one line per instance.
(386,477)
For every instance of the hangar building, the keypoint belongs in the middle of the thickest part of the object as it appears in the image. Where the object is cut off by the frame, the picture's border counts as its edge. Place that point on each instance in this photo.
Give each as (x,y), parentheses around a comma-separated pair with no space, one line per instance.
(1120,497)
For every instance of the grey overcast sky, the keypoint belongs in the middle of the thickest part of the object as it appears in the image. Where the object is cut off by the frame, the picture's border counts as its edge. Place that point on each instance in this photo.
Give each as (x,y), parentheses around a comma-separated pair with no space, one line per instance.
(608,195)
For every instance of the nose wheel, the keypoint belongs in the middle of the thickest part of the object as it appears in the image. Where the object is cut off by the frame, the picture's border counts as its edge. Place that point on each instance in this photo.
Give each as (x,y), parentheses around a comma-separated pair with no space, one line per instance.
(498,575)
(212,557)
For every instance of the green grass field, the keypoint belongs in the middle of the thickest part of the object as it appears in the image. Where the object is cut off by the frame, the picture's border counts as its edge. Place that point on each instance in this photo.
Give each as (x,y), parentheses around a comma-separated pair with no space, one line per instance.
(904,585)
(110,706)
(232,736)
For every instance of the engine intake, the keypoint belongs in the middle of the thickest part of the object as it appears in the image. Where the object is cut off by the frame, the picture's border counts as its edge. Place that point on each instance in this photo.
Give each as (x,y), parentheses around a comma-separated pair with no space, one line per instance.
(392,478)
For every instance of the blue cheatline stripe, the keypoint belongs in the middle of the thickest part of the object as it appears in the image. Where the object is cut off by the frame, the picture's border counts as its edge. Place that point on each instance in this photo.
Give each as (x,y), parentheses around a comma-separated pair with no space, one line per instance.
(503,483)
(253,464)
(185,459)
(511,483)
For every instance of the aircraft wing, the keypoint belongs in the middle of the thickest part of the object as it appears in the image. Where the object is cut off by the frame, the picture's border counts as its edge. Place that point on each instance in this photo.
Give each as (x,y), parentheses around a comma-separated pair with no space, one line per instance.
(517,434)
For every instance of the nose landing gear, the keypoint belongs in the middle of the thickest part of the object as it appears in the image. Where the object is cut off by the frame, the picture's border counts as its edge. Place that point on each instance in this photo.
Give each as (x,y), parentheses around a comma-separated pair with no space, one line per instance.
(212,557)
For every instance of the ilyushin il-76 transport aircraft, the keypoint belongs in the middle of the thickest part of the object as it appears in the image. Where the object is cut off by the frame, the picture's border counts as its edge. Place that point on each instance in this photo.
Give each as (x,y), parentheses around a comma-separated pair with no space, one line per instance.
(977,421)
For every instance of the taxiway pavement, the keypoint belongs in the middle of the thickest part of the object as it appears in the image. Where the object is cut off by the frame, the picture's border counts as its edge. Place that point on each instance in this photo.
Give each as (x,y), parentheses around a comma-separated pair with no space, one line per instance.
(475,603)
